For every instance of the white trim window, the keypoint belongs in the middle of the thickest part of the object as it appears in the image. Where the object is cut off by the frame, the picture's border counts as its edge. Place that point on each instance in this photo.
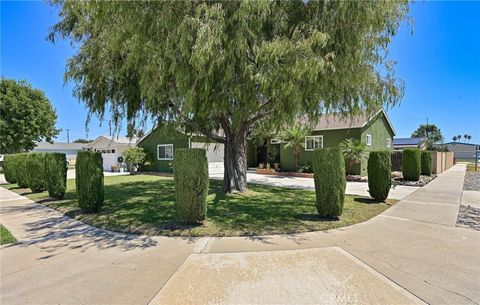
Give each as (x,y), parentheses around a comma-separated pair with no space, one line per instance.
(313,142)
(389,142)
(369,139)
(165,151)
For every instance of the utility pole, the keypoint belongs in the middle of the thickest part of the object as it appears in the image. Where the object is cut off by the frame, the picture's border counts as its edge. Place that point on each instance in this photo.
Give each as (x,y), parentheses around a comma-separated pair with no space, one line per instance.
(68,135)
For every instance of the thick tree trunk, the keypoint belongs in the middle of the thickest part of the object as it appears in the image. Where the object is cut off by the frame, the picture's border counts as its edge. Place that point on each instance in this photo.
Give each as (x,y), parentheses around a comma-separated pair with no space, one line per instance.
(235,161)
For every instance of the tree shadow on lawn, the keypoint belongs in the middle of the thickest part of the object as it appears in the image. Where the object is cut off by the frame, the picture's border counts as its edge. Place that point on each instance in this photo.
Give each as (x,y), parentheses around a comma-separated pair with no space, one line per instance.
(146,205)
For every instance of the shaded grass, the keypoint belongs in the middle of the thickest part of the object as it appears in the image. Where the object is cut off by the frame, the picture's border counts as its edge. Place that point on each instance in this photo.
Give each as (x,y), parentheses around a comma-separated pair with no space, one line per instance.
(5,236)
(146,204)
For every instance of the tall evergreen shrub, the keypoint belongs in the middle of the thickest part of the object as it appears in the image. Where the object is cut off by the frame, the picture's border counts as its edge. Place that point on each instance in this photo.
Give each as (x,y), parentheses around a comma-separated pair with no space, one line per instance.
(21,169)
(35,172)
(411,164)
(426,163)
(379,174)
(9,168)
(89,180)
(191,184)
(330,182)
(56,174)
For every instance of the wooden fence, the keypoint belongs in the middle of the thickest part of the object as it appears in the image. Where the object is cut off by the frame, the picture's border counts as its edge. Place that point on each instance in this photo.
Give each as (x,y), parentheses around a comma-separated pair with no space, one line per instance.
(441,161)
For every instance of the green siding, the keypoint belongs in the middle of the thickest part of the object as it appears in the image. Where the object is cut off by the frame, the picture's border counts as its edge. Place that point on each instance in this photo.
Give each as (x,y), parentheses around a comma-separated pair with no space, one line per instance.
(380,130)
(331,138)
(251,154)
(162,135)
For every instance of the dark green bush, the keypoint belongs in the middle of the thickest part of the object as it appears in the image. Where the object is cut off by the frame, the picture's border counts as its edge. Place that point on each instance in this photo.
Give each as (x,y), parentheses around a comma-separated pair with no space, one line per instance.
(330,183)
(9,168)
(89,180)
(191,184)
(426,163)
(35,172)
(379,174)
(56,174)
(21,169)
(411,164)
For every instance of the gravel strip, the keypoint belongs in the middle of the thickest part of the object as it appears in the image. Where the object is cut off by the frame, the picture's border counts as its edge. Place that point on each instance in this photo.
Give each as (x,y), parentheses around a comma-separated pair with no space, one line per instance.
(472,181)
(468,217)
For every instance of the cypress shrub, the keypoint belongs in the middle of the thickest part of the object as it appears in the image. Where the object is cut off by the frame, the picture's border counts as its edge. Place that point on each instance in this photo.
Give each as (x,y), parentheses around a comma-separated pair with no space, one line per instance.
(56,174)
(379,174)
(426,163)
(21,169)
(35,172)
(411,164)
(191,184)
(9,168)
(89,180)
(330,182)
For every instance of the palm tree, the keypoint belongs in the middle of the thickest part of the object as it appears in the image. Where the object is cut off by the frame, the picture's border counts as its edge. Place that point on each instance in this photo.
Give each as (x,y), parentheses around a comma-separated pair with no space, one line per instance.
(459,138)
(454,138)
(469,138)
(353,151)
(465,136)
(294,137)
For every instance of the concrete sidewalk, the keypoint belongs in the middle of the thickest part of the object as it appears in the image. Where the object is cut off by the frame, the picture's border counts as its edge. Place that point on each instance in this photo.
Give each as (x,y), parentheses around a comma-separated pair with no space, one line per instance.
(411,253)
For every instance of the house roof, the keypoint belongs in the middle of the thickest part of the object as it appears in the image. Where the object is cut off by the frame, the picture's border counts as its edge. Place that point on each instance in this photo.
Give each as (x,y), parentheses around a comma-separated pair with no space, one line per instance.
(60,146)
(457,143)
(117,140)
(408,141)
(341,121)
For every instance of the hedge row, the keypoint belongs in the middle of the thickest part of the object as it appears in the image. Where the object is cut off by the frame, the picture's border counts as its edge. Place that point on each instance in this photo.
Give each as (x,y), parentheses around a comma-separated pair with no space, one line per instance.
(37,171)
(379,174)
(426,163)
(89,180)
(330,182)
(411,164)
(191,184)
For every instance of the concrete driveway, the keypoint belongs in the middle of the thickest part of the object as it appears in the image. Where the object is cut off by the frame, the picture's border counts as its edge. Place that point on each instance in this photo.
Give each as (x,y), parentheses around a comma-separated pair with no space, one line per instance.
(353,188)
(411,253)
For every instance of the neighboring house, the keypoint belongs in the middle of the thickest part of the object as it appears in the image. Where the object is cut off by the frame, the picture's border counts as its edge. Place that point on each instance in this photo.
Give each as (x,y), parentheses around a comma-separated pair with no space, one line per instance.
(69,149)
(375,130)
(461,150)
(111,149)
(402,143)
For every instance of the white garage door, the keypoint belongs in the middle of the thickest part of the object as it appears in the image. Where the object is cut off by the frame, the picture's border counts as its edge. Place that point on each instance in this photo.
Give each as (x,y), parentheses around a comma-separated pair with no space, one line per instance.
(109,159)
(214,156)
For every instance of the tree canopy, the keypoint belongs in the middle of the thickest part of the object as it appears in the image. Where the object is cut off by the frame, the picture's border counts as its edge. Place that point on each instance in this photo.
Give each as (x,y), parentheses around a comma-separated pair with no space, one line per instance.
(431,132)
(26,116)
(226,68)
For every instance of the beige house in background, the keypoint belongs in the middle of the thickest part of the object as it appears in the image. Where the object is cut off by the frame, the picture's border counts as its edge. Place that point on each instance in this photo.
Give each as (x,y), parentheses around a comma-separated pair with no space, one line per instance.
(462,150)
(111,148)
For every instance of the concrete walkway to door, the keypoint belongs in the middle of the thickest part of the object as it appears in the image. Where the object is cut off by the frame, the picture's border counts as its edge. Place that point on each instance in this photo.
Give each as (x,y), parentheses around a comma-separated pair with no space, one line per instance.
(411,253)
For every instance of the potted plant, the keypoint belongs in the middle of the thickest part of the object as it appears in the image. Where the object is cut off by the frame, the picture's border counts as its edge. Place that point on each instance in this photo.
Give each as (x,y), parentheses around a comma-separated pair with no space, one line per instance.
(134,157)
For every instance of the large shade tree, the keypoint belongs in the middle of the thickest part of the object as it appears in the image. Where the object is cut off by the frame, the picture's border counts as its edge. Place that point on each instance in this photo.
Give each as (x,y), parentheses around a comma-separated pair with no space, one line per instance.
(226,68)
(431,132)
(26,116)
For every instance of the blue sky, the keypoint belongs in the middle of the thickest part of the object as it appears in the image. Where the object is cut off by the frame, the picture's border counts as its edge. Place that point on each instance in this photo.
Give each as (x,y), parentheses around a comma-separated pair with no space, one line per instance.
(439,62)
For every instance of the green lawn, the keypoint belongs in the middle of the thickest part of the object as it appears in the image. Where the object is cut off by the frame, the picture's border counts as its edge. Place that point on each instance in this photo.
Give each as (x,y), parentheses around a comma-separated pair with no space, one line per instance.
(145,204)
(5,236)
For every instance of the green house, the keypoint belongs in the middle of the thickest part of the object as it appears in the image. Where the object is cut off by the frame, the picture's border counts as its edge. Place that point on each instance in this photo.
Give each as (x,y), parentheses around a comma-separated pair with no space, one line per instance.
(374,130)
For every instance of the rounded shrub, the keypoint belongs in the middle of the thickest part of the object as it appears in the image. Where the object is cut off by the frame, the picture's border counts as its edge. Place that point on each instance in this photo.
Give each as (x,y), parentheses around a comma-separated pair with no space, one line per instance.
(330,182)
(89,180)
(191,184)
(56,174)
(35,172)
(21,169)
(426,163)
(411,164)
(9,168)
(379,174)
